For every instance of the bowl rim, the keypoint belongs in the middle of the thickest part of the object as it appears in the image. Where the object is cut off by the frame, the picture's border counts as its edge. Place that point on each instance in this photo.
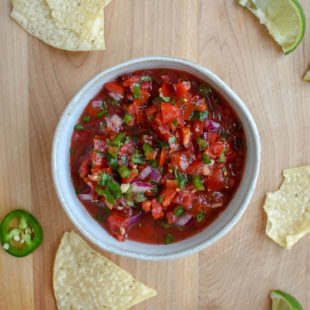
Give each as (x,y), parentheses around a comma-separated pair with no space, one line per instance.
(223,87)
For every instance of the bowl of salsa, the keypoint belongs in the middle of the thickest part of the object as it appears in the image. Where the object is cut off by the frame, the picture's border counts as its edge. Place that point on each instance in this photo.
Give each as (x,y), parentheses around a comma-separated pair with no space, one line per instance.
(155,158)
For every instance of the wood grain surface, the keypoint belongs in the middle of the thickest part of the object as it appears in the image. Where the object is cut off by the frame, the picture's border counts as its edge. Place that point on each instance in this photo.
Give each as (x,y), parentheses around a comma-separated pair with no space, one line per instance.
(37,82)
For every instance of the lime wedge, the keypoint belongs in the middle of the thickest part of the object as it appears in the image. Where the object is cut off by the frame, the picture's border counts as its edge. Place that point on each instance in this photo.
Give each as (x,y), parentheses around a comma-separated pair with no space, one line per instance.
(285,20)
(283,301)
(307,76)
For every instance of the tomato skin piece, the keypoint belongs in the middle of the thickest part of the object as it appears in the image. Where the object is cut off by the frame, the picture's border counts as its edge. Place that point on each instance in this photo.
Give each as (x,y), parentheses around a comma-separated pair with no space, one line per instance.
(115,87)
(162,157)
(157,211)
(195,167)
(167,195)
(168,112)
(118,226)
(216,181)
(166,89)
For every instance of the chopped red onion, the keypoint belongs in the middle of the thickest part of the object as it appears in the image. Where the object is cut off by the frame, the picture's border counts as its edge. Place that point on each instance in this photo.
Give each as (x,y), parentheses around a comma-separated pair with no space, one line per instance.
(134,219)
(141,187)
(151,173)
(145,172)
(86,196)
(154,175)
(114,122)
(115,96)
(211,125)
(184,220)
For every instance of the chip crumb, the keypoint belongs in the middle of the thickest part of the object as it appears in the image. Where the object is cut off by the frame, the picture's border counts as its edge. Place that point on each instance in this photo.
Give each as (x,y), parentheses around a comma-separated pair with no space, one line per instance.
(288,209)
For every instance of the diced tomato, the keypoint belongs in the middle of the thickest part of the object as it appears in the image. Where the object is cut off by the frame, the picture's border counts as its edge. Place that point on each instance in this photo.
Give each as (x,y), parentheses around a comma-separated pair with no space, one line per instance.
(181,89)
(171,184)
(100,144)
(168,112)
(97,160)
(145,86)
(167,194)
(118,226)
(212,136)
(116,88)
(126,149)
(218,148)
(200,105)
(171,217)
(195,167)
(146,206)
(184,198)
(197,128)
(180,160)
(188,110)
(144,96)
(131,177)
(157,211)
(85,165)
(216,181)
(186,134)
(151,110)
(162,157)
(141,117)
(133,108)
(180,117)
(132,80)
(94,107)
(166,90)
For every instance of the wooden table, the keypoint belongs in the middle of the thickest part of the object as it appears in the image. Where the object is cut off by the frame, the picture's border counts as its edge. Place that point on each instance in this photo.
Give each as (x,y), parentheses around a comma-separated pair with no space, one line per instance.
(37,82)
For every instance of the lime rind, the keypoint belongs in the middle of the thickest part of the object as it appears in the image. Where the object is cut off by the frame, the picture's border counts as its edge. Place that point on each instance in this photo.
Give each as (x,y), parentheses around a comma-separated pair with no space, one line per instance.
(284,301)
(279,18)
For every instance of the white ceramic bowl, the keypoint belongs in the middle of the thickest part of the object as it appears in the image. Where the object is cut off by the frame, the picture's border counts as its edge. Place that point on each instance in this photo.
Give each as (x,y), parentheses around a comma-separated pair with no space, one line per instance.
(90,228)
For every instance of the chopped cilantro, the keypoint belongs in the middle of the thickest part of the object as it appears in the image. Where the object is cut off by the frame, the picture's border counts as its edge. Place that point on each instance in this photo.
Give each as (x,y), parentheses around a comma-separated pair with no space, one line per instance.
(206,159)
(178,210)
(200,216)
(169,238)
(78,127)
(85,118)
(175,123)
(199,116)
(204,90)
(180,178)
(72,150)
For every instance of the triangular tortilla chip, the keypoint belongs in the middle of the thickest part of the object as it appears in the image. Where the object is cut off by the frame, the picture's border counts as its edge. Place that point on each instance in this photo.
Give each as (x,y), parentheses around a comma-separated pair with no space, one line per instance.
(84,279)
(288,209)
(35,17)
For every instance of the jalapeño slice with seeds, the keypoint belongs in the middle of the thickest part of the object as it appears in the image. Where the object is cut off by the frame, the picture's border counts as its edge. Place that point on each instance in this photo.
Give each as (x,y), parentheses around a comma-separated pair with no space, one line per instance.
(20,233)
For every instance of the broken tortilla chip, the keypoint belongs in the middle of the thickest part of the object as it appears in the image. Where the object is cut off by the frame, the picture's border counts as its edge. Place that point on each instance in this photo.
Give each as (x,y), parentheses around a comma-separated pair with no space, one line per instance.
(288,209)
(84,279)
(35,17)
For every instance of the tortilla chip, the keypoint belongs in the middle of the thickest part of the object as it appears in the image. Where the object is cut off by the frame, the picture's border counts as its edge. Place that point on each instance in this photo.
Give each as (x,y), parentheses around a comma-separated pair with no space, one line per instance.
(288,209)
(35,17)
(84,279)
(76,15)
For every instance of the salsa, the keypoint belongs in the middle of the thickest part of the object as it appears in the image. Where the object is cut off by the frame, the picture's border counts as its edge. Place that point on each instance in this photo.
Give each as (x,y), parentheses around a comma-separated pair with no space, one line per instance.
(156,156)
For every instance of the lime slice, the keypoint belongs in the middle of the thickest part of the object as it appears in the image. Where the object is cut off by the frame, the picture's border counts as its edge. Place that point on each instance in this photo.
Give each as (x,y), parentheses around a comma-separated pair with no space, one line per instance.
(307,76)
(285,20)
(283,301)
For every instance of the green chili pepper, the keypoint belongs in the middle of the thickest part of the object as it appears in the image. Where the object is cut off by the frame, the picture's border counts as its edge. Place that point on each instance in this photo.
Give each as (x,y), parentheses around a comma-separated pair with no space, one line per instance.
(20,233)
(124,171)
(197,183)
(137,158)
(202,144)
(118,139)
(178,210)
(136,91)
(127,118)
